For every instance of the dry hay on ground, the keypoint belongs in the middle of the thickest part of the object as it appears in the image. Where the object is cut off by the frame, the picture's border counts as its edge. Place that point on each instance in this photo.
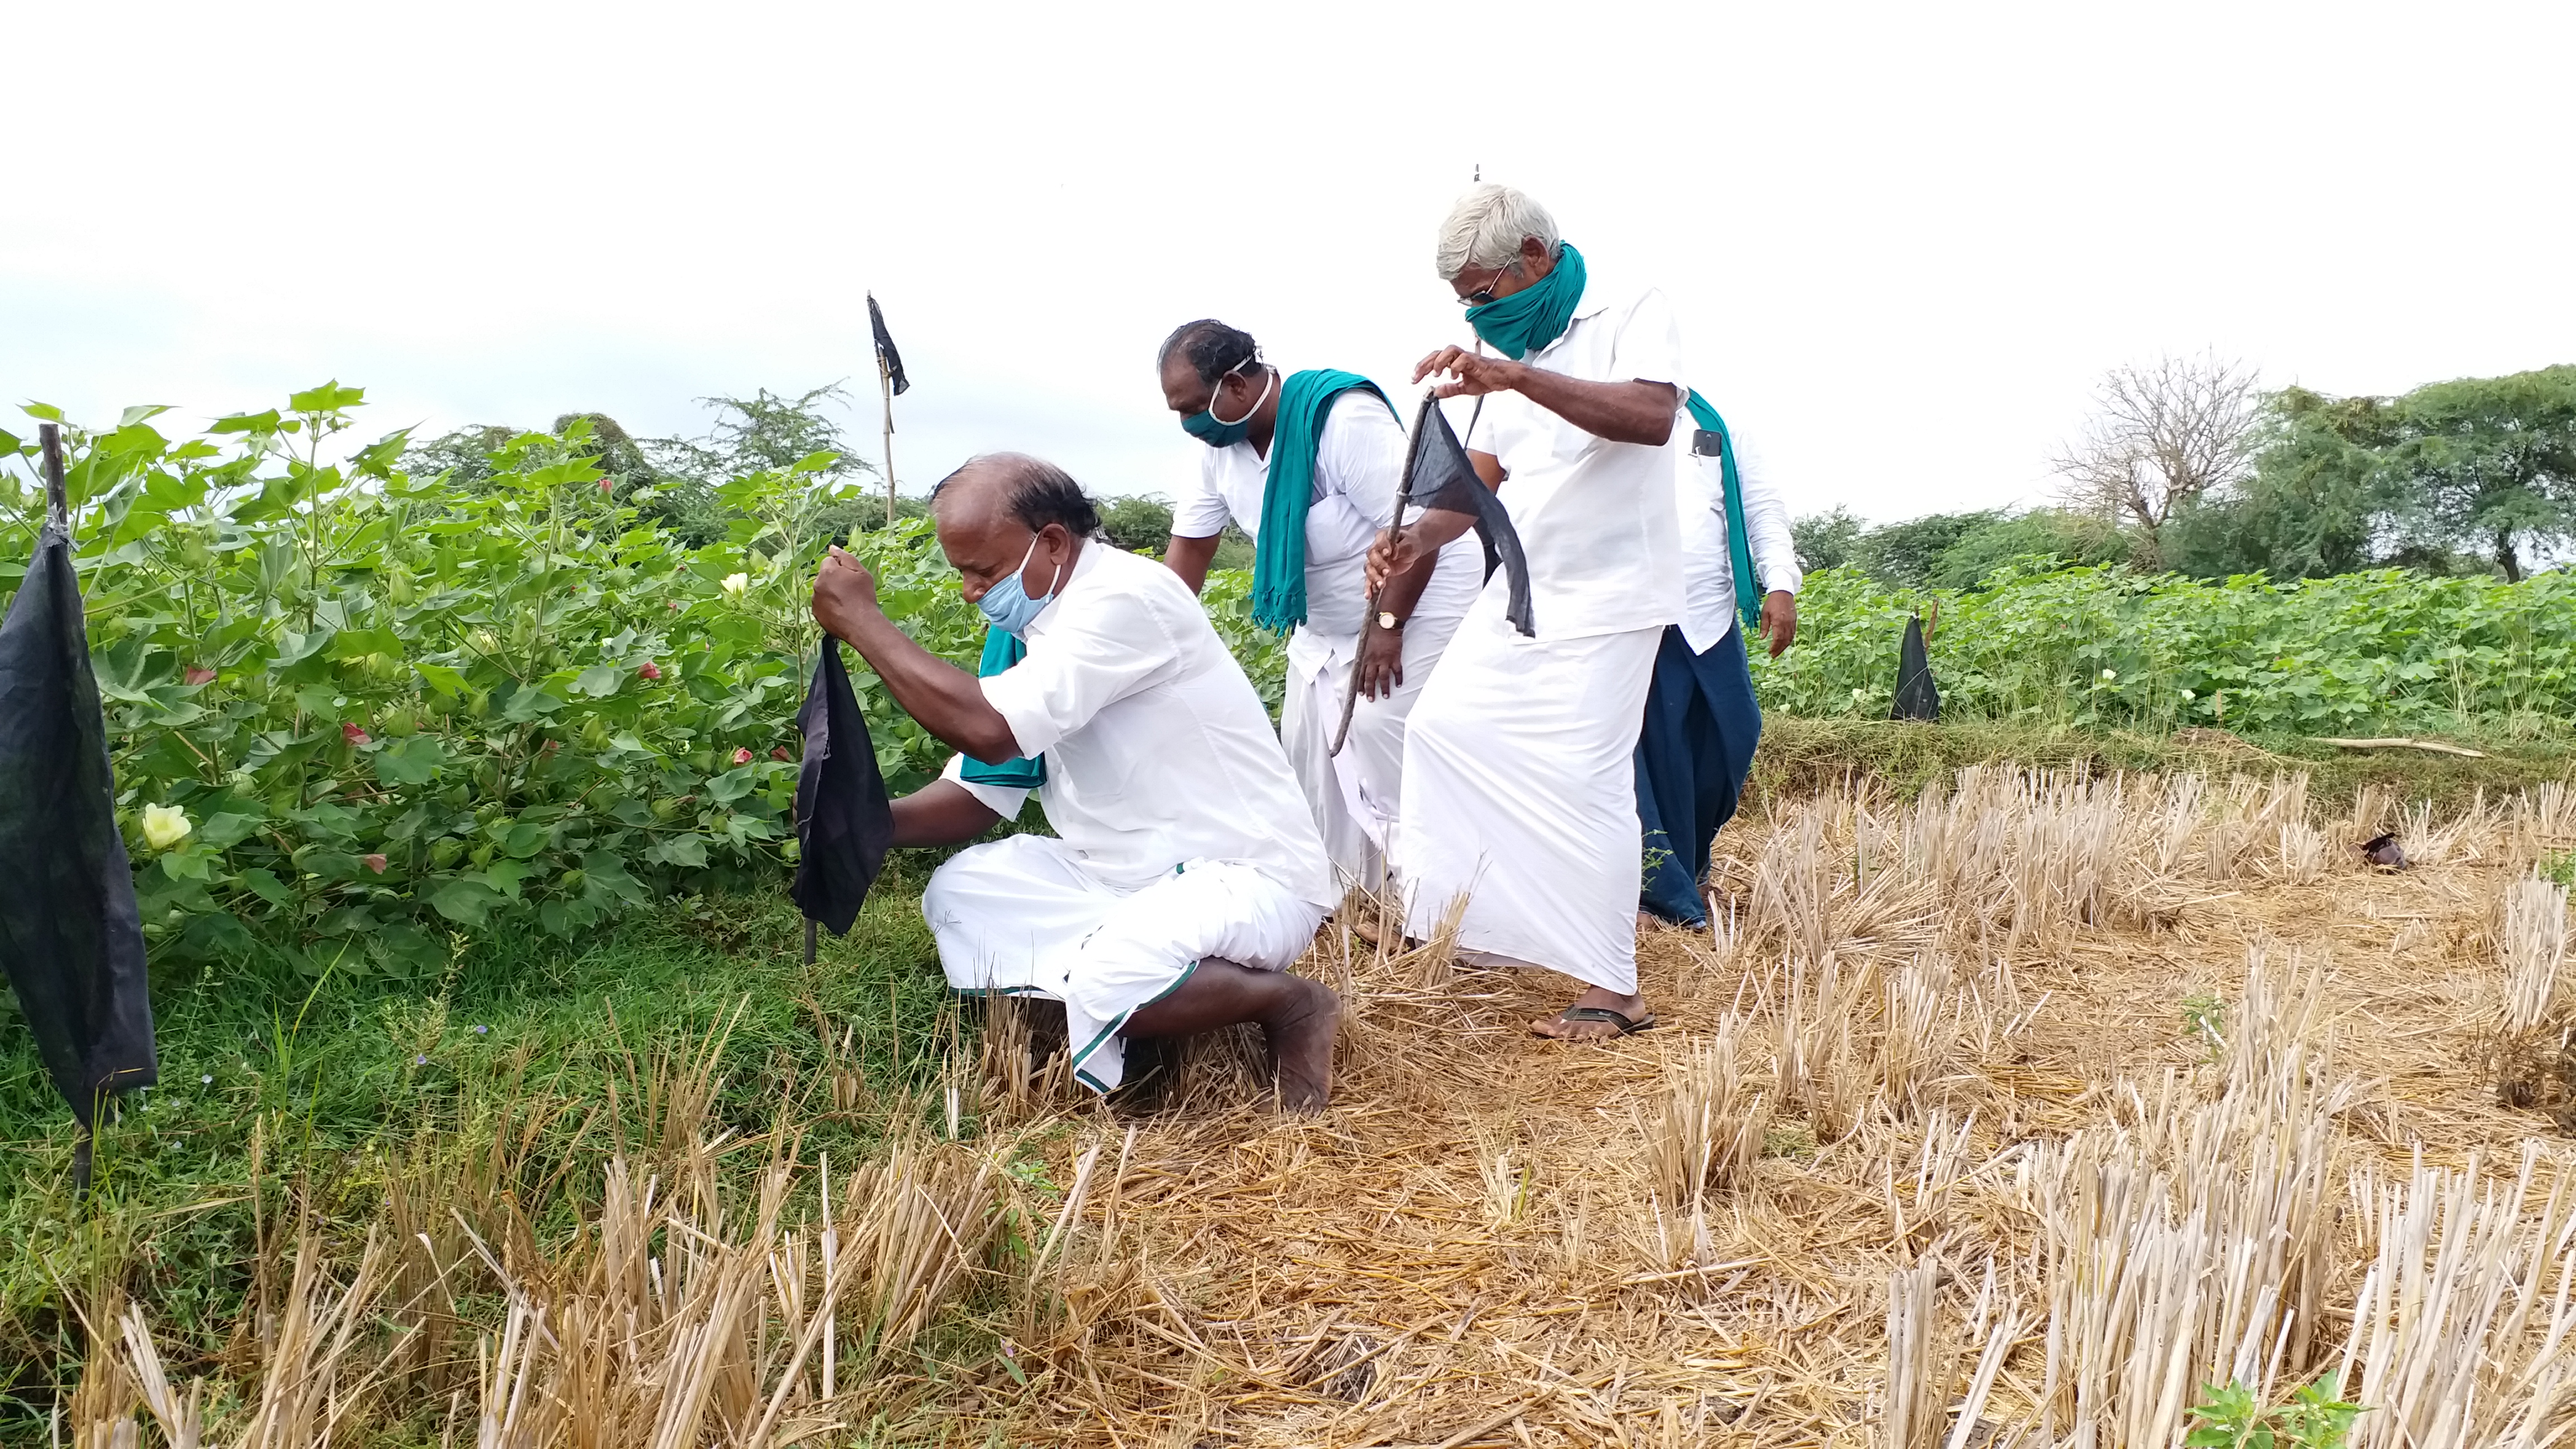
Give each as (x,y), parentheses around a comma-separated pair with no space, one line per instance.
(2011,1115)
(2118,1073)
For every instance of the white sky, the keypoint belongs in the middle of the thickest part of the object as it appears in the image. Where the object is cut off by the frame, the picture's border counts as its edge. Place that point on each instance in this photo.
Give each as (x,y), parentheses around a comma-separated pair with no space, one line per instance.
(1903,239)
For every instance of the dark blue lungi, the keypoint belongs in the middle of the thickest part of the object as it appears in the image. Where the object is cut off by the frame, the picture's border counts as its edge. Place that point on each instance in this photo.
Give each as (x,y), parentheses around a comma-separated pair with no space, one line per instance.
(1692,757)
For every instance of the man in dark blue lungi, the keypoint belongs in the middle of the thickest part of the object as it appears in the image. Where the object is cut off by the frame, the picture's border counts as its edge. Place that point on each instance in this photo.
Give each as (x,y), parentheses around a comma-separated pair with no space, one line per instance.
(1738,569)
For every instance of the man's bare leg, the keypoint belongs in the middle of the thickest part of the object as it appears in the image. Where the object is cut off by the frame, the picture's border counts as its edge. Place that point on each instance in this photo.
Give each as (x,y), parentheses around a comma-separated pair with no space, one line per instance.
(1300,1018)
(1631,1007)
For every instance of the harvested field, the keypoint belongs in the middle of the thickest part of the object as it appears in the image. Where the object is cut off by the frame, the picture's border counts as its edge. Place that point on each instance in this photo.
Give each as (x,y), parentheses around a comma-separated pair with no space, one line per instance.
(2012,1114)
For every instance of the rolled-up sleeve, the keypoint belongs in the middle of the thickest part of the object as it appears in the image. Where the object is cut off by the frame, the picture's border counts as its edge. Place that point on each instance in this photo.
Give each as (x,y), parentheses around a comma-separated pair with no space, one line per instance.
(1648,346)
(1199,511)
(1002,800)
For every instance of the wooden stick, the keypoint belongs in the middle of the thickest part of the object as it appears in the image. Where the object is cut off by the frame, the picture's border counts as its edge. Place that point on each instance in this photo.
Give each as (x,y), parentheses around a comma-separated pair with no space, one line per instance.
(49,436)
(1351,696)
(885,385)
(2439,747)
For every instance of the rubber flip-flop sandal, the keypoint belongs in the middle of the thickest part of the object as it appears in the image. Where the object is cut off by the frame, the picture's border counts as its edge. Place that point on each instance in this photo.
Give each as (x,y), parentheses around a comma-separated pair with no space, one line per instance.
(1627,1026)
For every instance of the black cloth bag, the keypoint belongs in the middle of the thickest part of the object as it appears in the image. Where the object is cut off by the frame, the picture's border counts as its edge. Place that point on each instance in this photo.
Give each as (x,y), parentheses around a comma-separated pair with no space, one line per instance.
(69,934)
(844,822)
(1917,697)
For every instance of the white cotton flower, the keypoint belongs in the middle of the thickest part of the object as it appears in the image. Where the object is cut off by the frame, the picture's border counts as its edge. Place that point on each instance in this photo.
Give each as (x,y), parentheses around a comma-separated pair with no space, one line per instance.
(165,826)
(736,583)
(2109,674)
(1858,692)
(2188,696)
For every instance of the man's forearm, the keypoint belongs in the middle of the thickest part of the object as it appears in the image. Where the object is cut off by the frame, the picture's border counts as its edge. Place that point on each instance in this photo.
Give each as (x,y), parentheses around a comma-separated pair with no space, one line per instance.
(942,812)
(943,698)
(1433,529)
(1623,412)
(1402,591)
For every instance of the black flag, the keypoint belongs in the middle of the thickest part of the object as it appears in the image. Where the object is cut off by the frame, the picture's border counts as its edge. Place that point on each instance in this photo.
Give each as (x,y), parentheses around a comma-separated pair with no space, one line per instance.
(843,819)
(1438,475)
(1916,696)
(69,933)
(888,360)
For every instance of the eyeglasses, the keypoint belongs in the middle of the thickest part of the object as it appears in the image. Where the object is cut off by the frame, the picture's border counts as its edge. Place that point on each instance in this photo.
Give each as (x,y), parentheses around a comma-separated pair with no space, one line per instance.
(1484,294)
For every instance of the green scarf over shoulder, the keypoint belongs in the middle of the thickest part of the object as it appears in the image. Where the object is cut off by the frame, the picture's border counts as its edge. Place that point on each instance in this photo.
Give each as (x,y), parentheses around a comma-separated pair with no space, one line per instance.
(1739,550)
(1001,651)
(1279,554)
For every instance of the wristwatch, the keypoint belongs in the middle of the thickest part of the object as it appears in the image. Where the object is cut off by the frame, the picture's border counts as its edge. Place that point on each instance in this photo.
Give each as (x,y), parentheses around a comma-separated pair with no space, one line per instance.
(1387,620)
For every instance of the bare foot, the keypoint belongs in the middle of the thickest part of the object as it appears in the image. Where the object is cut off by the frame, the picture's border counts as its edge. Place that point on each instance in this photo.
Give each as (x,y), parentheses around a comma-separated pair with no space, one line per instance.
(1631,1007)
(1646,922)
(1366,928)
(1301,1045)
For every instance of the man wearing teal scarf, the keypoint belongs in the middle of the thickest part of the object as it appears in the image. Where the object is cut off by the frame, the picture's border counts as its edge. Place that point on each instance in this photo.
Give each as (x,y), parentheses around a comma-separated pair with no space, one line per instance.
(1308,463)
(1519,777)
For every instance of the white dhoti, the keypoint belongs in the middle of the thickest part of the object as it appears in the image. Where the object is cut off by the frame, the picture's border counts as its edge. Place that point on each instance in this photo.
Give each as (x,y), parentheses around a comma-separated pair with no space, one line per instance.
(1355,794)
(1021,916)
(1520,794)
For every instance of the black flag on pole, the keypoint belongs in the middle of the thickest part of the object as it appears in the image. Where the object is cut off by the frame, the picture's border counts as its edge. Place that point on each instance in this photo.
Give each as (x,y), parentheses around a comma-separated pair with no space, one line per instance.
(70,936)
(843,820)
(1917,697)
(887,358)
(1438,475)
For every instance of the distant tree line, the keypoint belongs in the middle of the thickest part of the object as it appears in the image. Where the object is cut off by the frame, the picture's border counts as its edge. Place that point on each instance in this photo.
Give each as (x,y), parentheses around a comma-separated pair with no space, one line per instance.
(2187,466)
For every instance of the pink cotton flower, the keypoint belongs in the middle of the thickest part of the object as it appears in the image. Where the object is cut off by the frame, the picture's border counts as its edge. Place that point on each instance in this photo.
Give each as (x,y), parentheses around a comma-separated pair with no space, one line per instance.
(779,753)
(199,674)
(349,731)
(742,757)
(651,672)
(375,863)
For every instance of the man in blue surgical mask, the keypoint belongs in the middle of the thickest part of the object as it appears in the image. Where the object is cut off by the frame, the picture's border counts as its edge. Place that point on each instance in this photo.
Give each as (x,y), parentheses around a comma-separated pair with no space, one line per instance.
(1185,875)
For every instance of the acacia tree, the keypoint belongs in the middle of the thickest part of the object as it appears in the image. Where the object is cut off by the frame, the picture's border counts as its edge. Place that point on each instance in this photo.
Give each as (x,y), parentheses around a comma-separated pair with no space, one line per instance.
(2162,435)
(2490,462)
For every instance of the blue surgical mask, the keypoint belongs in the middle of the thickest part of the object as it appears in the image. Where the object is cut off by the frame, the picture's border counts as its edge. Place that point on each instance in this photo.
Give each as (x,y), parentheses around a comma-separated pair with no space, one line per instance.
(1203,424)
(1007,605)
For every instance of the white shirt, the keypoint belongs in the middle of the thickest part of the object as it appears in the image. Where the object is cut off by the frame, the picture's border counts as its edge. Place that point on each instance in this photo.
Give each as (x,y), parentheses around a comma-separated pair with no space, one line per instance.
(1359,466)
(1708,566)
(1595,517)
(1157,750)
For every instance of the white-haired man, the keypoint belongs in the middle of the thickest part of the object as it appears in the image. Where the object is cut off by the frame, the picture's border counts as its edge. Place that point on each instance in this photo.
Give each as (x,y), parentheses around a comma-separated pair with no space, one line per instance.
(1519,769)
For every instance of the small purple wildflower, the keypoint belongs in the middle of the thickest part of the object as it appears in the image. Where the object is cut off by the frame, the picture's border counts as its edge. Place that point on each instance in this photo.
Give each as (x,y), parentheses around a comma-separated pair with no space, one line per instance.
(482,1031)
(420,1061)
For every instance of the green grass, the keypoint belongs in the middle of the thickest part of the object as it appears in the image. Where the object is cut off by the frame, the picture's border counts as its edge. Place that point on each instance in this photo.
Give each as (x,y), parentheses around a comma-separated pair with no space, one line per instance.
(340,1076)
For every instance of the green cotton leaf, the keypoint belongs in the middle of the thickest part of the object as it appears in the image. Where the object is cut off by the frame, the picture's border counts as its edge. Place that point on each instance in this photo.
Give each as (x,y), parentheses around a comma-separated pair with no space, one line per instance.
(413,761)
(443,678)
(527,705)
(330,397)
(815,462)
(506,876)
(42,412)
(228,829)
(265,885)
(140,413)
(684,850)
(600,681)
(604,877)
(9,441)
(246,423)
(733,784)
(191,861)
(465,900)
(359,643)
(524,840)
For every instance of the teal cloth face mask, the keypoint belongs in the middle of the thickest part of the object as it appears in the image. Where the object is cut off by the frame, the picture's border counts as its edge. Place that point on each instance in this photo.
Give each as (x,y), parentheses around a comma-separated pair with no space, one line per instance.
(1007,605)
(1537,314)
(1203,424)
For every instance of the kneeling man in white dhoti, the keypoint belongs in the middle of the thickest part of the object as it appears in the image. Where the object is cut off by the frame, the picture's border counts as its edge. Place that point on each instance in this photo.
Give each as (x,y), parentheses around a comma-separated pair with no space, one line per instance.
(1519,773)
(1185,874)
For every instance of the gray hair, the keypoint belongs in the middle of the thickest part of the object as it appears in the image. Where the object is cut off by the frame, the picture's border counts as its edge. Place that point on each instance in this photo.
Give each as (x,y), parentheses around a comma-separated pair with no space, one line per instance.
(1486,227)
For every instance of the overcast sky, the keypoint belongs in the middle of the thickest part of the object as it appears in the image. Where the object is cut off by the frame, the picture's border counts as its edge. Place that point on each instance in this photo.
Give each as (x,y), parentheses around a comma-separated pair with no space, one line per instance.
(1904,240)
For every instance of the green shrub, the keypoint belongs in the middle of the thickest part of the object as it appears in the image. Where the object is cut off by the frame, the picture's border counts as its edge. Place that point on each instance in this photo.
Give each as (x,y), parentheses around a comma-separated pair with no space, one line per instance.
(393,713)
(2106,647)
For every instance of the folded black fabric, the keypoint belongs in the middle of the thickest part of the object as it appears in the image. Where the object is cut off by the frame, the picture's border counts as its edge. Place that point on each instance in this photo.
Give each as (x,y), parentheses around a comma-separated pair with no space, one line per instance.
(844,822)
(69,935)
(1438,475)
(1917,697)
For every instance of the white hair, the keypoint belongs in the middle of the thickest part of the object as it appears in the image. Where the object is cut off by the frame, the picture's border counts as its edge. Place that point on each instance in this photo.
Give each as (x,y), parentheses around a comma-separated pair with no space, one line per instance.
(1486,227)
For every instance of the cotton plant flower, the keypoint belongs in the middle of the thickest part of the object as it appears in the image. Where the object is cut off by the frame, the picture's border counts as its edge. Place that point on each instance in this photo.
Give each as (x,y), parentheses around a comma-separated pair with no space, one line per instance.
(165,826)
(734,584)
(2188,696)
(2110,676)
